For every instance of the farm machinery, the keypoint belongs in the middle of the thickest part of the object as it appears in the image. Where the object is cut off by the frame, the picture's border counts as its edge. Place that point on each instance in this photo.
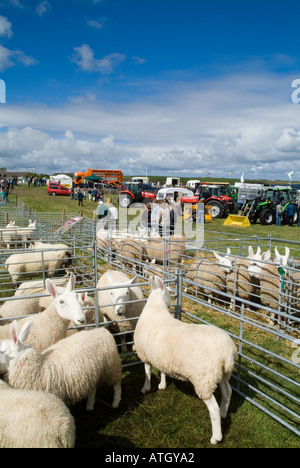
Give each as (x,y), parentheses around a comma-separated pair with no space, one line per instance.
(134,192)
(214,196)
(263,208)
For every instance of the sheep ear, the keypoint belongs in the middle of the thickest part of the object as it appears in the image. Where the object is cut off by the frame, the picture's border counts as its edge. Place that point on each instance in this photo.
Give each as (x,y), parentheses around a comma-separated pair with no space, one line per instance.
(217,256)
(25,331)
(159,283)
(51,288)
(267,256)
(287,252)
(14,332)
(133,280)
(71,283)
(277,253)
(228,251)
(250,250)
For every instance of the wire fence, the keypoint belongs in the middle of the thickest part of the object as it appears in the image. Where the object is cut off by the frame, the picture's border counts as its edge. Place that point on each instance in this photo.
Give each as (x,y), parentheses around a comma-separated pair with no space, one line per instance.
(263,320)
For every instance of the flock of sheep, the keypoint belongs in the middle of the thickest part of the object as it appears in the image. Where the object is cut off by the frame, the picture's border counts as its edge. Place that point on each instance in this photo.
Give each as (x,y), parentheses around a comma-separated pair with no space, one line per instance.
(52,355)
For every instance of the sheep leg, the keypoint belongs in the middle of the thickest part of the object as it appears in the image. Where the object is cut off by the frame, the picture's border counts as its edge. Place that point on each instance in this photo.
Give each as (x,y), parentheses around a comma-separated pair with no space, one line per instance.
(226,392)
(117,395)
(163,384)
(147,384)
(91,399)
(215,417)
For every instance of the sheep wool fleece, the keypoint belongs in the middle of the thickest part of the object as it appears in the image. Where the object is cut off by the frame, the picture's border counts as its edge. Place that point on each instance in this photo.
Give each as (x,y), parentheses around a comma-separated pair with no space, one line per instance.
(201,354)
(71,367)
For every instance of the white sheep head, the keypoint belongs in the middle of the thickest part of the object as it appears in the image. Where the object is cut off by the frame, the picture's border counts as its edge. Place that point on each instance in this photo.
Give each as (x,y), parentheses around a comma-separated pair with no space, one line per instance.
(282,260)
(257,265)
(120,295)
(224,262)
(157,283)
(66,302)
(9,349)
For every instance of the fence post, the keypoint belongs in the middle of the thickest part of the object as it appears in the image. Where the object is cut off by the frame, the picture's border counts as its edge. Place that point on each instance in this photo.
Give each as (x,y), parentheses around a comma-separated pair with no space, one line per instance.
(240,344)
(178,290)
(95,264)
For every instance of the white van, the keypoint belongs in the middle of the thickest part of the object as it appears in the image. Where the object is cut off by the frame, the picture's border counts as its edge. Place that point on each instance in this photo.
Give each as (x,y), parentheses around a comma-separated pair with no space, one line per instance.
(173,193)
(193,183)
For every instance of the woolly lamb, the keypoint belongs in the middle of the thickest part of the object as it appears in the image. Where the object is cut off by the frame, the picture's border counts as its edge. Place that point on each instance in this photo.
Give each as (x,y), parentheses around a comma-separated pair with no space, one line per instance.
(33,263)
(238,282)
(131,254)
(32,419)
(208,274)
(29,288)
(52,324)
(70,369)
(17,308)
(13,235)
(168,250)
(269,282)
(202,354)
(116,299)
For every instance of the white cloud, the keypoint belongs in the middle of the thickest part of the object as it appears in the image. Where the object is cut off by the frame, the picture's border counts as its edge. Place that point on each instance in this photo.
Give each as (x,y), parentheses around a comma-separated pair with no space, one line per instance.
(95,24)
(5,27)
(43,7)
(9,58)
(235,124)
(86,61)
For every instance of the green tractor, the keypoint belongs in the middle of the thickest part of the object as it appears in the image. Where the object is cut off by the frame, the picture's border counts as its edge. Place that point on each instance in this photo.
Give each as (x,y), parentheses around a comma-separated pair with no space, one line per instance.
(263,208)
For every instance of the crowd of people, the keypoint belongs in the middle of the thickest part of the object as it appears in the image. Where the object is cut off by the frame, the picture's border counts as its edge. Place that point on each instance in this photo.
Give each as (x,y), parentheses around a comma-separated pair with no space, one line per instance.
(291,210)
(159,216)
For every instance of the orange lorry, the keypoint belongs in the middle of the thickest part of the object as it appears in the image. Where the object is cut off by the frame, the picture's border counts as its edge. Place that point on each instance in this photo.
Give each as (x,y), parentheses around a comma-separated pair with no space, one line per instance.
(112,178)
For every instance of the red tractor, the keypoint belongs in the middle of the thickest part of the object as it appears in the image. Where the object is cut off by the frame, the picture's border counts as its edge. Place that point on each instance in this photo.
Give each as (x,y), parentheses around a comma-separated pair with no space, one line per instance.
(133,193)
(214,196)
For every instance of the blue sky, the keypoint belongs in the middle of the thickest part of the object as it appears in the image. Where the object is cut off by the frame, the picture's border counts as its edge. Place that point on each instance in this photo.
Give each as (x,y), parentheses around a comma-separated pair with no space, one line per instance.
(171,87)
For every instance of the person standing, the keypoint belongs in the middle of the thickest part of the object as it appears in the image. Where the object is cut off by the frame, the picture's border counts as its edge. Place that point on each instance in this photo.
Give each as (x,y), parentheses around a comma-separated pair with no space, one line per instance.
(146,217)
(80,198)
(290,211)
(163,218)
(278,214)
(154,211)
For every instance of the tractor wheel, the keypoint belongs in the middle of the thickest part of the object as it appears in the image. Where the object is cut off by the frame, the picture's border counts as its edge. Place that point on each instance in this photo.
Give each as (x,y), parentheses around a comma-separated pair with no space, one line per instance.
(267,217)
(217,208)
(125,200)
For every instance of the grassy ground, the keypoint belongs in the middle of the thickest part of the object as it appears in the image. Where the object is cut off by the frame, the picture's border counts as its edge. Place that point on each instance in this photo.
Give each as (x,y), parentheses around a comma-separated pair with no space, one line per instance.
(174,418)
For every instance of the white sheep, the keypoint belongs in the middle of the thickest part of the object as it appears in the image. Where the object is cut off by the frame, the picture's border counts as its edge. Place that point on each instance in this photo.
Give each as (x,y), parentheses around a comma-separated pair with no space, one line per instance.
(209,274)
(166,250)
(202,354)
(117,301)
(18,307)
(13,234)
(52,324)
(29,288)
(33,263)
(34,419)
(70,369)
(267,274)
(131,254)
(238,282)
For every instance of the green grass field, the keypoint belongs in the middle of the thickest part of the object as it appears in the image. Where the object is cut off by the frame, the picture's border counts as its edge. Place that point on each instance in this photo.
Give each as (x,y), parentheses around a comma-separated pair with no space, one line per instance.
(174,418)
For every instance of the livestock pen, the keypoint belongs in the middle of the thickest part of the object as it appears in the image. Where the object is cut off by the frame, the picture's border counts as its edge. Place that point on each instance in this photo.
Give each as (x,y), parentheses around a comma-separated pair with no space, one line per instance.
(267,369)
